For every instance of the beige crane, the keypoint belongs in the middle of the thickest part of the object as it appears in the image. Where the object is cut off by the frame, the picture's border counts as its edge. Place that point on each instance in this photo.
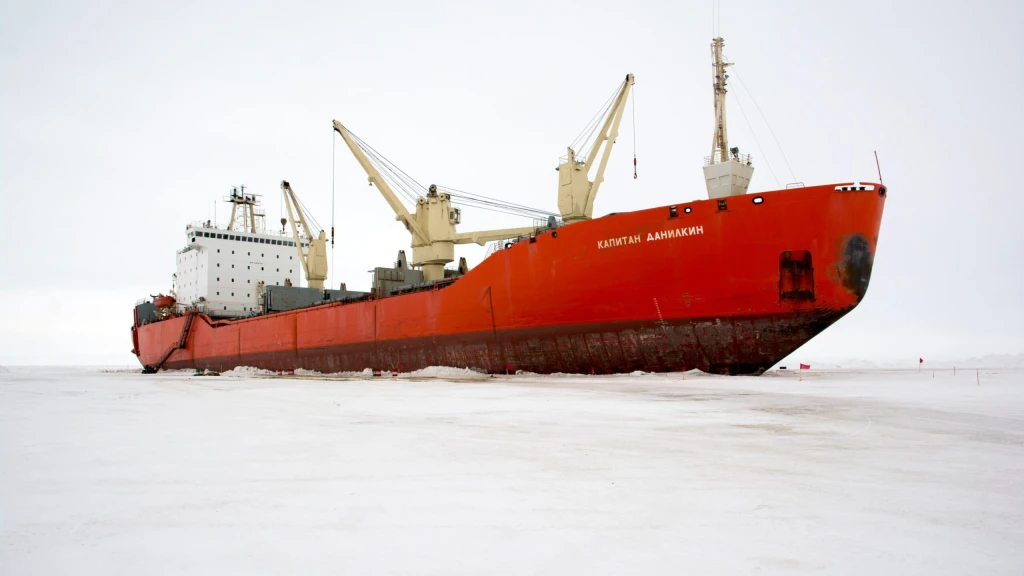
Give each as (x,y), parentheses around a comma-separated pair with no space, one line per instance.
(576,192)
(433,225)
(314,259)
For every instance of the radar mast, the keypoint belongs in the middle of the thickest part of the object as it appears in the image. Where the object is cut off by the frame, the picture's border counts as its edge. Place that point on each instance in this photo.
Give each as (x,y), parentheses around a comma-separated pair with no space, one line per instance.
(726,171)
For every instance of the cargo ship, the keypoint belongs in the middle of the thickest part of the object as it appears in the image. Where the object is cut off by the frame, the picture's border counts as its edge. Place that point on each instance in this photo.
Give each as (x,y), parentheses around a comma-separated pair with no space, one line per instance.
(731,284)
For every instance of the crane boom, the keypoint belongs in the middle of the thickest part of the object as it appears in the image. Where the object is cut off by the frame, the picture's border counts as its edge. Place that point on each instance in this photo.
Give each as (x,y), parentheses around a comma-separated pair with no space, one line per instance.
(576,192)
(314,260)
(401,214)
(433,224)
(482,237)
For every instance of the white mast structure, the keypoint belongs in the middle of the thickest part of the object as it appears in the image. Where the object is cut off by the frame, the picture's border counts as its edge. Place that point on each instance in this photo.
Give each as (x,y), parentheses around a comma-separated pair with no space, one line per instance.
(244,219)
(726,171)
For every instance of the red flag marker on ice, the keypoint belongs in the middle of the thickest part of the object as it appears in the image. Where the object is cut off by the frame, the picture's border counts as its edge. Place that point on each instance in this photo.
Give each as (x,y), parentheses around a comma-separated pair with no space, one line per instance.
(805,366)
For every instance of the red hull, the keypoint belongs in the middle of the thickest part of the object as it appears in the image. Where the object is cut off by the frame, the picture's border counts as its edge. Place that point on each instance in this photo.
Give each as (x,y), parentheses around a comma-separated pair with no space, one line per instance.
(730,290)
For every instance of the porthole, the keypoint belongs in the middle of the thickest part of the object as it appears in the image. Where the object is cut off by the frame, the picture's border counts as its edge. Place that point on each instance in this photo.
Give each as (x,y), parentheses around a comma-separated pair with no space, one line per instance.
(687,210)
(758,200)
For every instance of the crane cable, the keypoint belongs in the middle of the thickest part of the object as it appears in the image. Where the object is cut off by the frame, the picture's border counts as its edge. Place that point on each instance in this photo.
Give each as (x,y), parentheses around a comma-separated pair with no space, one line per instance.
(481,198)
(334,143)
(412,190)
(582,140)
(633,102)
(749,127)
(406,185)
(770,131)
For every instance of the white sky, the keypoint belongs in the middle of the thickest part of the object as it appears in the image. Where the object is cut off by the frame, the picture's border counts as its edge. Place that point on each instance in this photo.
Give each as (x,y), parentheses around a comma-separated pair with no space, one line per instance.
(120,123)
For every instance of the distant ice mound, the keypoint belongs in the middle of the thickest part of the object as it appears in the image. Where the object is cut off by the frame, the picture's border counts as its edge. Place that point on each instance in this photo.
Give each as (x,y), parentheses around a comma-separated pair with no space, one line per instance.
(367,372)
(247,371)
(4,370)
(445,372)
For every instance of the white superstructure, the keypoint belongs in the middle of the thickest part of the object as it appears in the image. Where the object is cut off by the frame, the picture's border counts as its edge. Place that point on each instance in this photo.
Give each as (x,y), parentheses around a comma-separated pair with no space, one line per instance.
(223,271)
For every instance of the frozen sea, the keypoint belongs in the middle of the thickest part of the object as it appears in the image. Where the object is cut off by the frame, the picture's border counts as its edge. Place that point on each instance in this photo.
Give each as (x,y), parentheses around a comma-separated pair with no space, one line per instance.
(855,472)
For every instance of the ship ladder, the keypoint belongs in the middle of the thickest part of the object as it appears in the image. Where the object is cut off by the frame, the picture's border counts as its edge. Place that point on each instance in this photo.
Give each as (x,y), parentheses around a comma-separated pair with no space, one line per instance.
(182,341)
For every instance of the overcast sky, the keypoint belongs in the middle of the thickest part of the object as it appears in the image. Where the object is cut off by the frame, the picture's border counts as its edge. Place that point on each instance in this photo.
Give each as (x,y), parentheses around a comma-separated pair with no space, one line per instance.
(122,122)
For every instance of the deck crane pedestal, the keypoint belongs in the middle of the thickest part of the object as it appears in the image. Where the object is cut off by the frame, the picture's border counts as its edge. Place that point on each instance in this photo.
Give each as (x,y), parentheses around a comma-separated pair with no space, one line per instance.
(433,225)
(576,192)
(314,259)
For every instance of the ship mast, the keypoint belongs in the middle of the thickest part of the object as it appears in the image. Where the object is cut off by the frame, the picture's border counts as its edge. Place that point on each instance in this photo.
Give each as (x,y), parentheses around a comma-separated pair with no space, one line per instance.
(244,220)
(726,171)
(720,139)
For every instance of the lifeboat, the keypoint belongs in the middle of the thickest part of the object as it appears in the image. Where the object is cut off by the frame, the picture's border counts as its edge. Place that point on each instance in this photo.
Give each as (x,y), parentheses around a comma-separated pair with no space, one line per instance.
(162,301)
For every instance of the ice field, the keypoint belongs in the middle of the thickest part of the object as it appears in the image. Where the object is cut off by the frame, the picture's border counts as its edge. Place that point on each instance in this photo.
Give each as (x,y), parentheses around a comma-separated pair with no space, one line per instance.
(856,472)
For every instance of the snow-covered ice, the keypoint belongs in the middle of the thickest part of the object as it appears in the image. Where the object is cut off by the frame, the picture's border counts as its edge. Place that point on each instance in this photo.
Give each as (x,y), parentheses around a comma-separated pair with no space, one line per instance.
(835,473)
